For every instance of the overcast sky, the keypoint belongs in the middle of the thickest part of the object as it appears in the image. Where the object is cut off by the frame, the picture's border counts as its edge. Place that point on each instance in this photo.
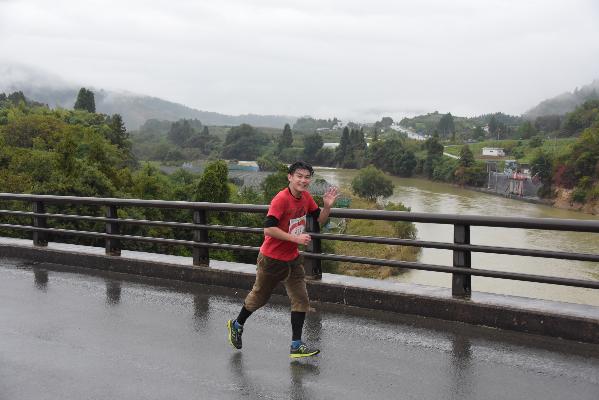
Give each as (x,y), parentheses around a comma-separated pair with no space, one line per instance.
(344,58)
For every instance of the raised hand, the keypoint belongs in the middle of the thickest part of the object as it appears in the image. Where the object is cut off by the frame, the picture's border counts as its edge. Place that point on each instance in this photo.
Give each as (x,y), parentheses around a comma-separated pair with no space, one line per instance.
(330,196)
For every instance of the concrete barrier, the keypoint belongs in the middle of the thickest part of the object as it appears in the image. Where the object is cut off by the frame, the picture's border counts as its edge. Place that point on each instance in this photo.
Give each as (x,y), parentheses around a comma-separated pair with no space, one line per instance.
(564,320)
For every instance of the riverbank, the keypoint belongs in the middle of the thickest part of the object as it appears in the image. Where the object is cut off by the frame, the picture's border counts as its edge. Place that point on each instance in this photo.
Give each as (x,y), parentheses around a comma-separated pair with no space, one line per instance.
(563,200)
(528,199)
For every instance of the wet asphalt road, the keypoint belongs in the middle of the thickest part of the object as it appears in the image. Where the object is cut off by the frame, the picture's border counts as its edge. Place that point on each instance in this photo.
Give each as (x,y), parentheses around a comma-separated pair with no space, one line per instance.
(75,334)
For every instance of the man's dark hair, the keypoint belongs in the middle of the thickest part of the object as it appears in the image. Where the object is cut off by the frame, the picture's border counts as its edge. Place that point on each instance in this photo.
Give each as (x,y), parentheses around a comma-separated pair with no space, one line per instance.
(300,165)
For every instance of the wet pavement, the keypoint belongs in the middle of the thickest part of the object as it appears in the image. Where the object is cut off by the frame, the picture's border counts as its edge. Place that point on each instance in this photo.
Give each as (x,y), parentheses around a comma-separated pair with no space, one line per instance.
(70,333)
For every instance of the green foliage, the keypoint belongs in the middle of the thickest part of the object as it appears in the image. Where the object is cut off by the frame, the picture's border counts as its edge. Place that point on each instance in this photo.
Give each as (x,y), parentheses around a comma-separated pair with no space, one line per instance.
(527,130)
(542,169)
(344,148)
(581,118)
(59,152)
(285,140)
(478,133)
(268,162)
(117,134)
(351,152)
(466,157)
(535,141)
(149,183)
(500,124)
(583,160)
(213,185)
(244,142)
(403,229)
(312,145)
(370,183)
(474,175)
(443,169)
(391,155)
(85,101)
(548,123)
(446,127)
(434,152)
(308,124)
(274,183)
(386,122)
(291,154)
(180,132)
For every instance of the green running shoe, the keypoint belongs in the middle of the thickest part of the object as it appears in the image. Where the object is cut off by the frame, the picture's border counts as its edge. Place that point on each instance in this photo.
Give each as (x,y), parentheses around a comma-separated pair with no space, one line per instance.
(234,334)
(303,351)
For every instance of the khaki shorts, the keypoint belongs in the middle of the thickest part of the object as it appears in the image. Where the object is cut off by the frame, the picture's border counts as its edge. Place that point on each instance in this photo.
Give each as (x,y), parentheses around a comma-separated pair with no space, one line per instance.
(269,273)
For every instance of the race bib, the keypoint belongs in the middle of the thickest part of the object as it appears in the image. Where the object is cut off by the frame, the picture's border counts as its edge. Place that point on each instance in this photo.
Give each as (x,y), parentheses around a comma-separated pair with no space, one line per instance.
(297,226)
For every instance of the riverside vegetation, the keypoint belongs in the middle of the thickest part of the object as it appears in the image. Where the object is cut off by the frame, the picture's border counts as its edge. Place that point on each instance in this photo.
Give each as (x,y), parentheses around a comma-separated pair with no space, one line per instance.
(83,153)
(80,152)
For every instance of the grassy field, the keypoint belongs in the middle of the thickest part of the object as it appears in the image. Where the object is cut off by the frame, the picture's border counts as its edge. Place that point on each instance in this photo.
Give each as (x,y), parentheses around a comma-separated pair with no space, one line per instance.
(552,146)
(368,228)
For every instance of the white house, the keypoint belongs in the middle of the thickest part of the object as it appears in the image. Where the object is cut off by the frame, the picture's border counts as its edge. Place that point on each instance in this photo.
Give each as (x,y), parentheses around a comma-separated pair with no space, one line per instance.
(493,151)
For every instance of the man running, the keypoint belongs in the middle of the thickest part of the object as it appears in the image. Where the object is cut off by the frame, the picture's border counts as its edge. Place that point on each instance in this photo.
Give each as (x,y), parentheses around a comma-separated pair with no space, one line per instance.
(279,259)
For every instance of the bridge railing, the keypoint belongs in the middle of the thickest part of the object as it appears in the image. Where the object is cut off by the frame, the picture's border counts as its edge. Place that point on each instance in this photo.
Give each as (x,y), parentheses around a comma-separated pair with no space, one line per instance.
(461,246)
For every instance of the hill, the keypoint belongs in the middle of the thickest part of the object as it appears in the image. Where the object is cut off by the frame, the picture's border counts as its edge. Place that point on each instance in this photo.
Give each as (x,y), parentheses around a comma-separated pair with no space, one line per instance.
(135,109)
(565,102)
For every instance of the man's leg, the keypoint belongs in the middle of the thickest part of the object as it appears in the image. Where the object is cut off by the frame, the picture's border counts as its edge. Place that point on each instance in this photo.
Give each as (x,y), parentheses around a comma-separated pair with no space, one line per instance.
(269,273)
(295,285)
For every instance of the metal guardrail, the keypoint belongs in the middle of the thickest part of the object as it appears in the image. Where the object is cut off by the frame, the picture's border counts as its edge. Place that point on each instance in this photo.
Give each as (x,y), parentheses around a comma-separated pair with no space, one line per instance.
(462,248)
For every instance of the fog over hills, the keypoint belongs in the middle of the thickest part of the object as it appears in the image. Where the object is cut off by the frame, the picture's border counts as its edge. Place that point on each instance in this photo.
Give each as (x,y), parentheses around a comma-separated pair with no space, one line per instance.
(565,102)
(134,108)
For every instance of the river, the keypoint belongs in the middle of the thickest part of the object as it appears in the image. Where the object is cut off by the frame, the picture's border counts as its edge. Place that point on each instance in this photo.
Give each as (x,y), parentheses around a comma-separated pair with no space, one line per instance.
(434,197)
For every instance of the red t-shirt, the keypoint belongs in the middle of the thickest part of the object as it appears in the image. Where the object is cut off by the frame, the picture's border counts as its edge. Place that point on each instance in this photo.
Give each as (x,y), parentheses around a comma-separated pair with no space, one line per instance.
(291,213)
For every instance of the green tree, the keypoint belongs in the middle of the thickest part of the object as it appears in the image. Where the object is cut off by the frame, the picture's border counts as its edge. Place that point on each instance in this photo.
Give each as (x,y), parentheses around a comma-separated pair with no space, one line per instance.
(312,145)
(180,132)
(386,122)
(17,97)
(118,134)
(85,101)
(434,152)
(542,169)
(370,183)
(403,229)
(535,141)
(344,148)
(446,125)
(548,123)
(244,142)
(584,116)
(479,133)
(274,183)
(268,162)
(466,157)
(392,156)
(526,130)
(213,186)
(285,140)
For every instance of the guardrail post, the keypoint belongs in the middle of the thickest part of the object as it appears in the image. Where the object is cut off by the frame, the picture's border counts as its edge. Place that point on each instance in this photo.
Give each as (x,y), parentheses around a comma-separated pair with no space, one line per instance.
(460,283)
(313,266)
(113,246)
(201,256)
(39,238)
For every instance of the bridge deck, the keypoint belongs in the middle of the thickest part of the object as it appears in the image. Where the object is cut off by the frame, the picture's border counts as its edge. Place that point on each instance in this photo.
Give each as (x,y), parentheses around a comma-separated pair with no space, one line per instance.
(69,333)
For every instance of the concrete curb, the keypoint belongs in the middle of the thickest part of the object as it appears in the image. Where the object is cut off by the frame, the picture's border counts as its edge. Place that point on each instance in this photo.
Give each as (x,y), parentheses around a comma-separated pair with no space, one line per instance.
(516,318)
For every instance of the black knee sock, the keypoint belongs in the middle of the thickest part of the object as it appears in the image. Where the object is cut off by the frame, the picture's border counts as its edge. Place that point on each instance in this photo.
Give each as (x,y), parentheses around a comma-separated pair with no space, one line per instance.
(243,315)
(297,324)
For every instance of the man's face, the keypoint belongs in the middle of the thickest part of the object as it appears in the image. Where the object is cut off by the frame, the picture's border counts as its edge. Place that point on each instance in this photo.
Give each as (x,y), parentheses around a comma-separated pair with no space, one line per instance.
(299,180)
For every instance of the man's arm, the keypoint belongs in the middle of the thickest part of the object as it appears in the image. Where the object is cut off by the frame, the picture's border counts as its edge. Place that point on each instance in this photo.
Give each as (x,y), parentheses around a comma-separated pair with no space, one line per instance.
(328,199)
(280,234)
